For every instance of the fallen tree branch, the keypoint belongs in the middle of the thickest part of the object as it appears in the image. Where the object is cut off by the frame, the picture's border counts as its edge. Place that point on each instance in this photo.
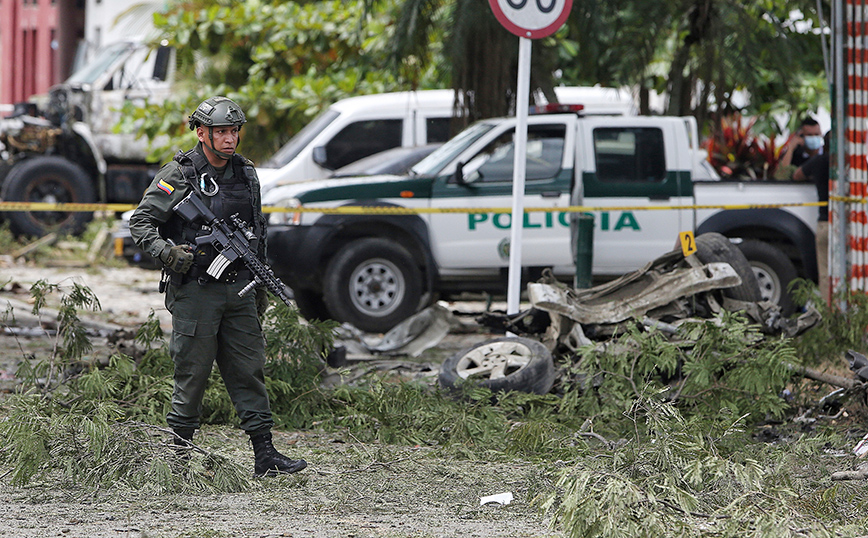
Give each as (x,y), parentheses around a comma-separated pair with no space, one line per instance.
(831,379)
(850,475)
(597,436)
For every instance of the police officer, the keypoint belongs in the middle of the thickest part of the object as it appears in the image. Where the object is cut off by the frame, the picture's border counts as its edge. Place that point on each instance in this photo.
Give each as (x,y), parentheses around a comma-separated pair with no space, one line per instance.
(209,320)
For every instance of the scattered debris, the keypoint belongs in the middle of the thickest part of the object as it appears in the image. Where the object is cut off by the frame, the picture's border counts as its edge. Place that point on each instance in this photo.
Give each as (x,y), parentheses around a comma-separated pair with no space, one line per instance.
(47,239)
(861,447)
(96,246)
(860,473)
(412,336)
(665,294)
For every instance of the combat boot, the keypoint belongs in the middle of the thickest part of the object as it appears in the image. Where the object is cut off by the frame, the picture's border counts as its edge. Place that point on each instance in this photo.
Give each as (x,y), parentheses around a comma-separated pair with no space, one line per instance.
(270,462)
(182,443)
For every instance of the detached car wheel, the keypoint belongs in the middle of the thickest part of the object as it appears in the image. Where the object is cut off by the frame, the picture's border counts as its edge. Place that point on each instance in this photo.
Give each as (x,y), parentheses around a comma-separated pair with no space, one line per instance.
(49,180)
(714,247)
(502,364)
(774,271)
(373,284)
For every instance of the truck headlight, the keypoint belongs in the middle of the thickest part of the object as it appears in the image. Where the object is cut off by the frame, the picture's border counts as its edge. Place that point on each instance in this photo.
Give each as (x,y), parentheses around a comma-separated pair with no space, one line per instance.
(282,214)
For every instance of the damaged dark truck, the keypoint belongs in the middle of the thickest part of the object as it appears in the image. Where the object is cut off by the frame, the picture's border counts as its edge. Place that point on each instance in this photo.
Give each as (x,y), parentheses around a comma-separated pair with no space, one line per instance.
(63,148)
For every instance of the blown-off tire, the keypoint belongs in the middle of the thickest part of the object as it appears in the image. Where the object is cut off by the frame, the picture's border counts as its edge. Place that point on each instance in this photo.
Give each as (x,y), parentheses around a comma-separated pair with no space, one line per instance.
(714,247)
(501,364)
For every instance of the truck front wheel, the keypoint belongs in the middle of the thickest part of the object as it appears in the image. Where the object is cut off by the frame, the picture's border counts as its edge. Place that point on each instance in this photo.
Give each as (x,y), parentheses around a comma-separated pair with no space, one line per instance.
(49,180)
(373,284)
(773,270)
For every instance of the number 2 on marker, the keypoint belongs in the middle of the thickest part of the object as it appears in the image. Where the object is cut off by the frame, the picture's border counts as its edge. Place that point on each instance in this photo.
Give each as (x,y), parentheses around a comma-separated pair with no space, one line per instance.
(688,243)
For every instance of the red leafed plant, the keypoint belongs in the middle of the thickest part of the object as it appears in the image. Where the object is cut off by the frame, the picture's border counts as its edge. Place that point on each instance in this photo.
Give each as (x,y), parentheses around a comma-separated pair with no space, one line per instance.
(735,152)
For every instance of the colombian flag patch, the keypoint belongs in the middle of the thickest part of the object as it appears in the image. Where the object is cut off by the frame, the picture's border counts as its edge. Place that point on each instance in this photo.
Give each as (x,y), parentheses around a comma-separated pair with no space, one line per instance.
(165,187)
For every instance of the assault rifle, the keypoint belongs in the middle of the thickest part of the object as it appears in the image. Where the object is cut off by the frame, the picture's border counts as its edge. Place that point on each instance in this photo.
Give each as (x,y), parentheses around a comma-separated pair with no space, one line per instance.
(230,245)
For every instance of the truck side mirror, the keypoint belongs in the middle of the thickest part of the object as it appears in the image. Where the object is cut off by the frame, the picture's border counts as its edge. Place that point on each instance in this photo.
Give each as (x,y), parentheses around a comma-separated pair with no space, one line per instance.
(161,63)
(320,157)
(458,176)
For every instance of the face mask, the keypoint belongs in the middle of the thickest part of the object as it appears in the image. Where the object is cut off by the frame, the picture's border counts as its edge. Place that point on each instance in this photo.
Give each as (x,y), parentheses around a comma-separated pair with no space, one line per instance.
(814,142)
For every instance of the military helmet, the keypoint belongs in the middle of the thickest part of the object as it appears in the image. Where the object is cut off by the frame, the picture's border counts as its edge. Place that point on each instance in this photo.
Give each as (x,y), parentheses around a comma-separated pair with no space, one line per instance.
(216,112)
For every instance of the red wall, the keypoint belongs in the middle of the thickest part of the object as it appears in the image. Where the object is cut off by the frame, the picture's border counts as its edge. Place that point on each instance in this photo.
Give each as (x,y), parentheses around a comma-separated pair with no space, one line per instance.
(29,63)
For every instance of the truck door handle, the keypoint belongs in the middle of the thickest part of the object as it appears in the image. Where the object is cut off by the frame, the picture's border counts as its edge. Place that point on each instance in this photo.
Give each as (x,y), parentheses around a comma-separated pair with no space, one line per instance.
(659,197)
(551,194)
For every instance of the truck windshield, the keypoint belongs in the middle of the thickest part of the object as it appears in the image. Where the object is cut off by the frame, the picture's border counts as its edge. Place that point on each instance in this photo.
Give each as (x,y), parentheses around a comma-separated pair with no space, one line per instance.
(297,143)
(432,164)
(99,65)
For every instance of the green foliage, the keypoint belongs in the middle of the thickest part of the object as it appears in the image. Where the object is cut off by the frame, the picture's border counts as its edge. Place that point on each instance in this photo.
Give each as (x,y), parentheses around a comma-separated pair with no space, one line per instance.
(408,413)
(843,325)
(90,426)
(91,447)
(70,340)
(672,478)
(283,62)
(706,56)
(720,363)
(8,242)
(650,429)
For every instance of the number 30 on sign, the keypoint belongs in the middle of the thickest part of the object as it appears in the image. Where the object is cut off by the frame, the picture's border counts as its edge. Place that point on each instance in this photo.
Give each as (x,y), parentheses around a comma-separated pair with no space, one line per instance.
(532,19)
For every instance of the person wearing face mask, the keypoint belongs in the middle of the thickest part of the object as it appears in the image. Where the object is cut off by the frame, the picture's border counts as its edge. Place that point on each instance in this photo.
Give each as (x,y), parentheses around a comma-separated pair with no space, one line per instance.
(816,169)
(806,143)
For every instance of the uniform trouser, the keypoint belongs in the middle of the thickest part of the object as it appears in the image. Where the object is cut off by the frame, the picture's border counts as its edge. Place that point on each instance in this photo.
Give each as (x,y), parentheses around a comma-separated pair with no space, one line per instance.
(210,322)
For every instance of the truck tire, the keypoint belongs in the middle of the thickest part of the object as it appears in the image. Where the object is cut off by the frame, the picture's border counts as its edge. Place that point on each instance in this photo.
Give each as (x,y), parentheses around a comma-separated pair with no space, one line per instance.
(501,364)
(774,271)
(311,305)
(53,180)
(372,283)
(714,247)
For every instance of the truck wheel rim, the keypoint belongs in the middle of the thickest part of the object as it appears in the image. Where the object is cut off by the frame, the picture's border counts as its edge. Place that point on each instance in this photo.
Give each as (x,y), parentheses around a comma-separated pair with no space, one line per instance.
(769,283)
(494,361)
(377,287)
(50,190)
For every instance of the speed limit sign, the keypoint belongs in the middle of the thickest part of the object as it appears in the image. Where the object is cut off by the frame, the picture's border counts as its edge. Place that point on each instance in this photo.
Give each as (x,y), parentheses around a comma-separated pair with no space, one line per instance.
(532,19)
(528,19)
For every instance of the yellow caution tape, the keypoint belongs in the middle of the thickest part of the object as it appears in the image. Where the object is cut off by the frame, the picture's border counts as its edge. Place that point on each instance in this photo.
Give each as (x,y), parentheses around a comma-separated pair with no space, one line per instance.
(392,210)
(69,207)
(848,199)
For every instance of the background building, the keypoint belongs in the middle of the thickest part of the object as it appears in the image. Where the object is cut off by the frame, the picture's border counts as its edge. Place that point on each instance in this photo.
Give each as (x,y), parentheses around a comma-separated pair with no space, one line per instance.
(42,41)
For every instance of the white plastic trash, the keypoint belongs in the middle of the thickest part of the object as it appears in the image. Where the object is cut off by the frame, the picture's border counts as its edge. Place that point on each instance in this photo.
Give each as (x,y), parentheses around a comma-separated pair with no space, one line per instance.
(861,448)
(500,498)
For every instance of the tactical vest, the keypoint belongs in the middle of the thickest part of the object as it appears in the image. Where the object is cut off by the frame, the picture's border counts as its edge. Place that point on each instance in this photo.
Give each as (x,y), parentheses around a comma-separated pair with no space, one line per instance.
(232,196)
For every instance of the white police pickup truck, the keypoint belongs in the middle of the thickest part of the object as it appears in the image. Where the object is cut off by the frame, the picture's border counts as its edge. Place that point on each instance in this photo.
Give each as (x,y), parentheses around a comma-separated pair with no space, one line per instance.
(375,269)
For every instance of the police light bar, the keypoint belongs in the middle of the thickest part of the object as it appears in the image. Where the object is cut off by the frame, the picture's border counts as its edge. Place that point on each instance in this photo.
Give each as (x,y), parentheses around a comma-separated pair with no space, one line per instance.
(555,108)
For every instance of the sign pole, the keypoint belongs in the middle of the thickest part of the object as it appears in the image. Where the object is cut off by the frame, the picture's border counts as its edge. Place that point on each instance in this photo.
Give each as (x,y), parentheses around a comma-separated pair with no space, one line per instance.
(513,295)
(527,20)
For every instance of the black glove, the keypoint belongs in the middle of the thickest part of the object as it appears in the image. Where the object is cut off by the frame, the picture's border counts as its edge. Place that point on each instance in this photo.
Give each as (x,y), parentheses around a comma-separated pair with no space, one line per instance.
(262,301)
(178,258)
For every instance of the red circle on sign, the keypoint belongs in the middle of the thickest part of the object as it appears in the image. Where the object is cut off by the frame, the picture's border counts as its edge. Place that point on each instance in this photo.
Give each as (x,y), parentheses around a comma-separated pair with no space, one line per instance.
(537,33)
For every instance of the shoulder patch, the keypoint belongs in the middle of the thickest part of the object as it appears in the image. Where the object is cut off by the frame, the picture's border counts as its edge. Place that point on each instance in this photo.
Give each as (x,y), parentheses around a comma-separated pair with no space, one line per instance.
(165,187)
